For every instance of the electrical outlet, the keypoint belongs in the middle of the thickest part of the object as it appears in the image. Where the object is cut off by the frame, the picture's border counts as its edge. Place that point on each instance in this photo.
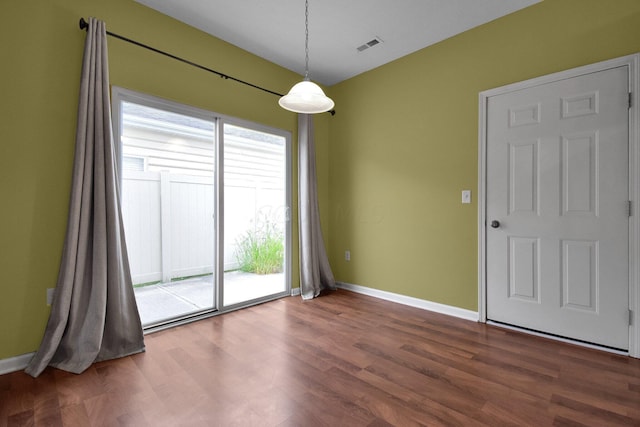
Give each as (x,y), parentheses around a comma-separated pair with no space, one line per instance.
(347,255)
(50,292)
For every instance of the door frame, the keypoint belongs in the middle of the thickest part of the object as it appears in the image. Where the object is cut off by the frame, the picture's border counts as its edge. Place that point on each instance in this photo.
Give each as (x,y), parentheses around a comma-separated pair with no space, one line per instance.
(633,64)
(223,119)
(119,94)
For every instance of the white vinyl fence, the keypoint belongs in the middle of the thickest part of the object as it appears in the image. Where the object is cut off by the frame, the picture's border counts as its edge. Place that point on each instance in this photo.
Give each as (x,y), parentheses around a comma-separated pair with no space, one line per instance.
(169,223)
(168,191)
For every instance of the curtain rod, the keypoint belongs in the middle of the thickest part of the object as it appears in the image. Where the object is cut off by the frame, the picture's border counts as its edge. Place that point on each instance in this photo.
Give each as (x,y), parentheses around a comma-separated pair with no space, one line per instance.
(84,25)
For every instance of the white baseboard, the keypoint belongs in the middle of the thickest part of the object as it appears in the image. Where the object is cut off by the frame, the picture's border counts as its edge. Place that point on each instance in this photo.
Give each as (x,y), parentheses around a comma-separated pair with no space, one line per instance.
(16,363)
(411,301)
(19,363)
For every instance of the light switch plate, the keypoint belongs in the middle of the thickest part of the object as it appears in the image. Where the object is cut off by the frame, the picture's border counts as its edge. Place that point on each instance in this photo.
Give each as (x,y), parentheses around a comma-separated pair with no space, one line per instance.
(466,196)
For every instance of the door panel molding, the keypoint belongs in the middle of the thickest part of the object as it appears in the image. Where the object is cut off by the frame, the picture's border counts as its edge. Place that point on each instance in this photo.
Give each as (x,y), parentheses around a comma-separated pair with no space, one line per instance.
(583,106)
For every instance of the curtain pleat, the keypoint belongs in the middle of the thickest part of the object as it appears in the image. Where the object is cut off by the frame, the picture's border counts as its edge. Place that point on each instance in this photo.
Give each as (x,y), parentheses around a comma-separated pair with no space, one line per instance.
(94,315)
(315,271)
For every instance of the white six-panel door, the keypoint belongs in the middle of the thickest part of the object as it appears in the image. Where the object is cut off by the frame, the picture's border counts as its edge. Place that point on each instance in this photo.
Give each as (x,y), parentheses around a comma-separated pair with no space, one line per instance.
(557,208)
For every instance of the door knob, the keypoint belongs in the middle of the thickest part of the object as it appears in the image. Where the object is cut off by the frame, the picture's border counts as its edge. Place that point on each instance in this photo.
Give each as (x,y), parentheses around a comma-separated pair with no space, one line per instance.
(495,224)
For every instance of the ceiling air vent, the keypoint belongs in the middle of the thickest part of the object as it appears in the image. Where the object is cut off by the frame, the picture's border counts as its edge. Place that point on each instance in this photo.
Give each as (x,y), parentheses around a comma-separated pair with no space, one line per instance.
(370,43)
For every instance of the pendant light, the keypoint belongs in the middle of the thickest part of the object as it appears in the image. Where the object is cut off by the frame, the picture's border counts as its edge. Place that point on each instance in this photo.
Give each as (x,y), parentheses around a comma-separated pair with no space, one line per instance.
(306,97)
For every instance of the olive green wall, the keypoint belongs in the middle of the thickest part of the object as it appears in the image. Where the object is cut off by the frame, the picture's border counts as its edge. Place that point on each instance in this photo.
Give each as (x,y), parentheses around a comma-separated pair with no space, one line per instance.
(41,52)
(405,141)
(391,163)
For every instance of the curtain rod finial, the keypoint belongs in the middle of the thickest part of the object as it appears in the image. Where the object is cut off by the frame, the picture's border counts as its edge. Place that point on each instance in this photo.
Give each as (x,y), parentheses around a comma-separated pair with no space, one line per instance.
(83,24)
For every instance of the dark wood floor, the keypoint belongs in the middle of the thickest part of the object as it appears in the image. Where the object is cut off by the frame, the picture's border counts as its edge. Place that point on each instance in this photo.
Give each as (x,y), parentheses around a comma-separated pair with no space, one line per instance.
(340,360)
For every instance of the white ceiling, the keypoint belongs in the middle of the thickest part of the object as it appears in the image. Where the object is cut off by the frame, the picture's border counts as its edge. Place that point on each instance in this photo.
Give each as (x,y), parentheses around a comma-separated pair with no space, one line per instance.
(274,29)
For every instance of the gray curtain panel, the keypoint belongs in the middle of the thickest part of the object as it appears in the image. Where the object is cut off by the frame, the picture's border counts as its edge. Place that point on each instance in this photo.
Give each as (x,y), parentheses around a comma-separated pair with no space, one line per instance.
(94,314)
(315,271)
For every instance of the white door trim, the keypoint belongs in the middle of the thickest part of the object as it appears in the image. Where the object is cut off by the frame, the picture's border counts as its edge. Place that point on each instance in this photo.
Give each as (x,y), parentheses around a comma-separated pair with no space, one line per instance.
(633,62)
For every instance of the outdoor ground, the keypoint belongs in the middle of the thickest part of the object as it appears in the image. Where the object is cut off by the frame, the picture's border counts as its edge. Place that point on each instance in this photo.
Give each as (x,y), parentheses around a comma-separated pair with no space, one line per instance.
(175,299)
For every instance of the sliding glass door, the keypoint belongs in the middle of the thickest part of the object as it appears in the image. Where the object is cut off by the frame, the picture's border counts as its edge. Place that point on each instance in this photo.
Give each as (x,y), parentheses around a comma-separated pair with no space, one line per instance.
(205,207)
(256,232)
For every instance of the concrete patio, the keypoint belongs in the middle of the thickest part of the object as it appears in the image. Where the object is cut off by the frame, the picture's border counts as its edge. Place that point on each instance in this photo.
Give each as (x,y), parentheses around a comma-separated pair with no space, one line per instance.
(164,301)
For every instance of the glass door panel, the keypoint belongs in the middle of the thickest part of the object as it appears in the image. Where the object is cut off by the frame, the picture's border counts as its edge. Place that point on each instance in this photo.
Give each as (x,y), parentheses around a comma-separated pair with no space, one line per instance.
(255,206)
(167,180)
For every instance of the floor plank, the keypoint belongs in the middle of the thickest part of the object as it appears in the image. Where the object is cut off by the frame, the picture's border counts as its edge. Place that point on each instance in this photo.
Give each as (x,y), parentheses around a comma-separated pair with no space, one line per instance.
(340,360)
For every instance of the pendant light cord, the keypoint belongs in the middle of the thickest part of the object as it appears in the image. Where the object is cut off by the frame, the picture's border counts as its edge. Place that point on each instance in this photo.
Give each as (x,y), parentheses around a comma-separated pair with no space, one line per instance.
(306,40)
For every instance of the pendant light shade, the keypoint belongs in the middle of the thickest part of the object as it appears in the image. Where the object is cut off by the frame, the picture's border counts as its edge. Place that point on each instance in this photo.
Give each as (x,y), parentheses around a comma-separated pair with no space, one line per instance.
(306,97)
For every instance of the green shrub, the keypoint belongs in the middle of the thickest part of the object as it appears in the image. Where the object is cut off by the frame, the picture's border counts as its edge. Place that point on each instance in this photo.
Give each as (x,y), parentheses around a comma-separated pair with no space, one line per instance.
(261,250)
